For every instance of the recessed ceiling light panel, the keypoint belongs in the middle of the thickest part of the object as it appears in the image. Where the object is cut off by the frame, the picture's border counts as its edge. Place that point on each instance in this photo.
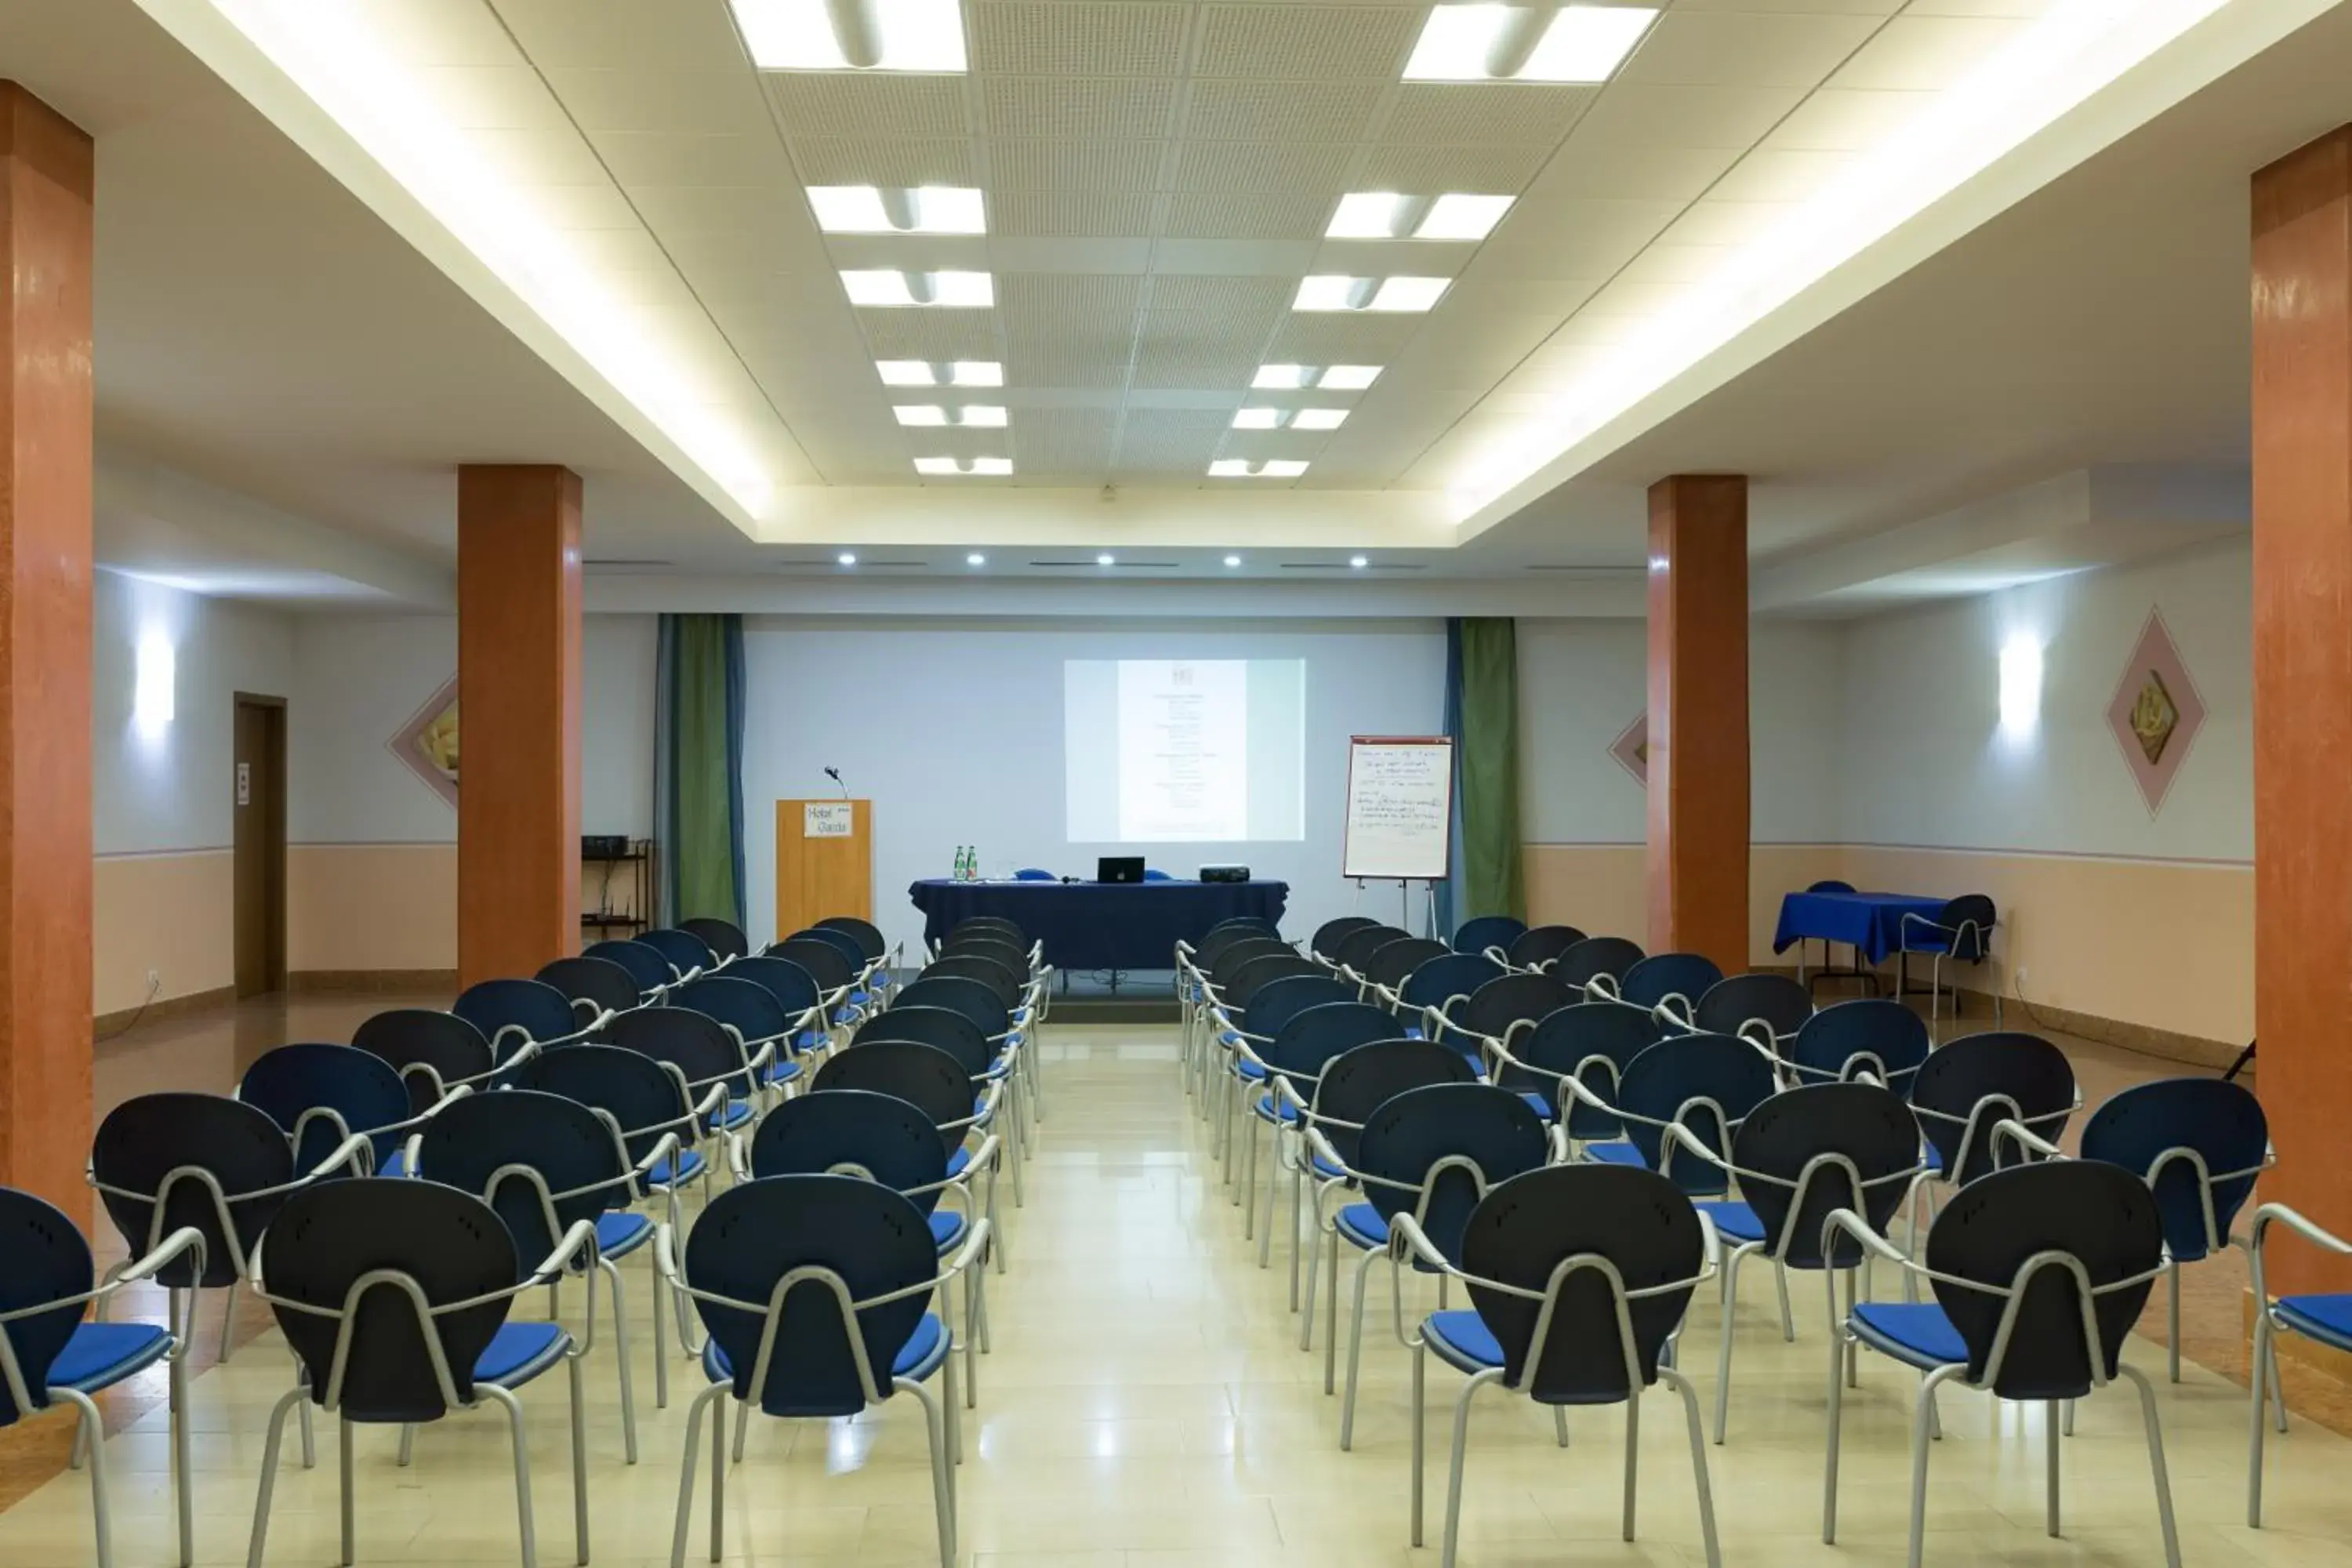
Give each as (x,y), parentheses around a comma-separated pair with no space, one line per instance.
(1319,420)
(971,416)
(921,290)
(1347,378)
(1526,43)
(1241,468)
(1280,377)
(1381,214)
(868,209)
(979,468)
(1328,292)
(869,35)
(1258,419)
(1458,214)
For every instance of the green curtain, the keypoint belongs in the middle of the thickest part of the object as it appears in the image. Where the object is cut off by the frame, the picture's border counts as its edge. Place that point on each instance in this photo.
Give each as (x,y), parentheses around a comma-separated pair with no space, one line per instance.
(702,689)
(1489,764)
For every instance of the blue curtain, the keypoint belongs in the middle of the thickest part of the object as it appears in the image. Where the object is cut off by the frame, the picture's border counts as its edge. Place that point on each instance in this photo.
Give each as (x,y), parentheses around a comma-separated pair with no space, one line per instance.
(698,710)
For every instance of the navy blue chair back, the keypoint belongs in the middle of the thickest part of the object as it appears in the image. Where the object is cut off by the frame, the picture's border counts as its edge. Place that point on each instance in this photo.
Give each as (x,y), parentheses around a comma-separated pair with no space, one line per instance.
(725,939)
(939,1027)
(1277,1004)
(638,1094)
(2152,1130)
(1511,1001)
(682,949)
(745,1006)
(1968,922)
(794,987)
(694,1043)
(1539,947)
(429,1050)
(1478,934)
(1964,1088)
(1586,961)
(1210,948)
(645,964)
(1704,1083)
(477,1144)
(923,1076)
(956,994)
(1310,1038)
(1360,1081)
(323,1094)
(1752,1004)
(856,1132)
(1396,957)
(1596,1041)
(142,1141)
(1264,971)
(1441,980)
(1876,1034)
(512,1013)
(2099,1214)
(966,964)
(752,1235)
(1355,950)
(1257,923)
(595,985)
(1828,885)
(852,950)
(1689,975)
(1325,944)
(448,1241)
(822,958)
(1530,1226)
(1867,1147)
(46,1260)
(866,933)
(971,923)
(1222,961)
(1434,1152)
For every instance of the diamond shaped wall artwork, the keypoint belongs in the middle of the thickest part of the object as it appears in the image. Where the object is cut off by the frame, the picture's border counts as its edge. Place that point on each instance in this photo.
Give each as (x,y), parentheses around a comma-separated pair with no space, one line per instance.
(2156,713)
(1631,750)
(427,744)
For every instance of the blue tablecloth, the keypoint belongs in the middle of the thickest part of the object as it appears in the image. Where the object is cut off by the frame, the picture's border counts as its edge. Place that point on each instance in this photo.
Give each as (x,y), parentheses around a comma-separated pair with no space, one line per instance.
(1872,923)
(1101,925)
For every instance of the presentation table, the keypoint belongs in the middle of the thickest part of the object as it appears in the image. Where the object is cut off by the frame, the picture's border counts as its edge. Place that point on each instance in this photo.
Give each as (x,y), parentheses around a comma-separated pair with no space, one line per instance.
(1869,923)
(1100,925)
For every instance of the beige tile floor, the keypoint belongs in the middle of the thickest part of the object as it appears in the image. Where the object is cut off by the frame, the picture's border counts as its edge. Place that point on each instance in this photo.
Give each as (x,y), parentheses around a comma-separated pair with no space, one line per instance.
(1146,1406)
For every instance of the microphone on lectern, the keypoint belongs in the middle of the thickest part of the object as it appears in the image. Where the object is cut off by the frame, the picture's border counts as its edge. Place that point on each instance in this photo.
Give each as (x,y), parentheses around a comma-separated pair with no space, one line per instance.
(834,775)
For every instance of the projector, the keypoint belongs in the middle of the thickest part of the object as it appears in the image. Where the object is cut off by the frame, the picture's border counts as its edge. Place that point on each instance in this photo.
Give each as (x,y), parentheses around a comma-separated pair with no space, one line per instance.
(1225,873)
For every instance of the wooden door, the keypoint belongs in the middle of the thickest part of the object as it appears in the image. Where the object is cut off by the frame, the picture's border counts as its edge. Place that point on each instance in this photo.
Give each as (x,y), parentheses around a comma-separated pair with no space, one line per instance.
(258,783)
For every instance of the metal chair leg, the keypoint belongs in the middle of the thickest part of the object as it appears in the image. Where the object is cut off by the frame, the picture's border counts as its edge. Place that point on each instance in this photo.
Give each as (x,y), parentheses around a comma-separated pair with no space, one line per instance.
(269,1447)
(2155,1462)
(621,1351)
(1921,1419)
(579,1463)
(513,1408)
(91,1421)
(694,1412)
(228,1319)
(2172,1315)
(2050,1418)
(1633,1459)
(1461,1443)
(2258,1392)
(183,1494)
(1420,1399)
(1682,1385)
(717,1476)
(1723,1349)
(1355,1354)
(346,1451)
(943,1471)
(1838,1353)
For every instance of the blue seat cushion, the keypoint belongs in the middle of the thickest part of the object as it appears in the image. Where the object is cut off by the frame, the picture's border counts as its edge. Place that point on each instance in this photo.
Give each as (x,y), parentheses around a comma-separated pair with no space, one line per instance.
(1271,1110)
(1734,1222)
(1363,1225)
(1913,1332)
(958,1162)
(946,1227)
(807,1040)
(99,1355)
(1617,1153)
(620,1233)
(919,1357)
(1250,1070)
(395,1164)
(732,1115)
(520,1351)
(859,998)
(2327,1319)
(688,1166)
(844,1017)
(1536,1103)
(783,1070)
(1462,1340)
(1327,1170)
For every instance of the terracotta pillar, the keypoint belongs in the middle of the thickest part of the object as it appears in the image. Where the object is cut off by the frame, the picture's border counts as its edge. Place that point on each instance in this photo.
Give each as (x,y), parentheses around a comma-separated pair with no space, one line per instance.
(1699,717)
(45,704)
(518,718)
(2303,688)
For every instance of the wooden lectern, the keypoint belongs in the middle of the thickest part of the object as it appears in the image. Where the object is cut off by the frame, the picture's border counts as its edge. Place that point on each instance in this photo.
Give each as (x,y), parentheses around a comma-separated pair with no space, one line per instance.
(824,862)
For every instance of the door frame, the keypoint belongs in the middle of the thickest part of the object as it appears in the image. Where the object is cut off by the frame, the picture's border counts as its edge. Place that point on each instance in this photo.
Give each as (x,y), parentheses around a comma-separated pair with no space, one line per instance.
(273,846)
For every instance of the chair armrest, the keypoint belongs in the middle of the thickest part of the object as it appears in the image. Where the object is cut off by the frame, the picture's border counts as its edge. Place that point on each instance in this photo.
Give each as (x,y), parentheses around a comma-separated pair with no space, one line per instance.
(1408,1240)
(2025,1138)
(351,1151)
(185,1239)
(2279,1214)
(581,1238)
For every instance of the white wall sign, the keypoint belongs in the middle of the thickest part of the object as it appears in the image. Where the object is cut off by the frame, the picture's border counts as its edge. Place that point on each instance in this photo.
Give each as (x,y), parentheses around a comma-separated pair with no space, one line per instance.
(825,819)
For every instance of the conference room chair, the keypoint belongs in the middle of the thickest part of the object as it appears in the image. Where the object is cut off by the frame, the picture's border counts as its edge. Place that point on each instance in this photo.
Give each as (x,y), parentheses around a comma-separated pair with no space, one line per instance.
(598,987)
(1540,947)
(1698,1086)
(1489,936)
(835,975)
(520,1016)
(761,1030)
(1392,963)
(1510,1004)
(50,1357)
(1578,1276)
(928,1076)
(319,1095)
(1435,991)
(1766,1008)
(1967,1086)
(1428,1155)
(1353,956)
(884,1139)
(1289,1067)
(1797,1158)
(984,1064)
(686,954)
(816,1292)
(1034,874)
(1202,976)
(163,1162)
(983,966)
(545,1163)
(1257,923)
(1869,1037)
(434,1053)
(2322,1318)
(707,1063)
(645,964)
(1670,985)
(1598,964)
(1008,1035)
(2038,1274)
(795,992)
(1154,874)
(1593,1043)
(395,1296)
(1960,934)
(1271,1007)
(879,956)
(1827,885)
(724,938)
(1325,944)
(862,970)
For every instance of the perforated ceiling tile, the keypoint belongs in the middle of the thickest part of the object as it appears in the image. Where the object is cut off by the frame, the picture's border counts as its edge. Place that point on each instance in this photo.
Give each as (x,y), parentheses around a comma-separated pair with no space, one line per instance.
(862,103)
(1122,166)
(1332,338)
(1179,359)
(1162,440)
(1073,37)
(1075,441)
(1314,170)
(1254,110)
(1036,304)
(1521,112)
(835,161)
(1206,216)
(1052,215)
(930,336)
(1310,42)
(1233,299)
(1067,358)
(1111,108)
(1495,170)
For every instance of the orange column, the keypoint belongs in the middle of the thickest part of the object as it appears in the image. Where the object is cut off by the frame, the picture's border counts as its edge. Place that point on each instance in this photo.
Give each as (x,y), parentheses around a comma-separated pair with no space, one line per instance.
(2303,688)
(1699,717)
(519,719)
(45,707)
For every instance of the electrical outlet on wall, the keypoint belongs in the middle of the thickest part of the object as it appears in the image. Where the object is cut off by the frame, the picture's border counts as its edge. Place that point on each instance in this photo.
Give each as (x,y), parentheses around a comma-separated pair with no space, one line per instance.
(2023,974)
(155,981)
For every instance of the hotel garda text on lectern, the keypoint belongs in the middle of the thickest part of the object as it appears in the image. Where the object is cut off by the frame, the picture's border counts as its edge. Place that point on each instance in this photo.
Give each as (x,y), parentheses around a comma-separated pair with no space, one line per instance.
(824,862)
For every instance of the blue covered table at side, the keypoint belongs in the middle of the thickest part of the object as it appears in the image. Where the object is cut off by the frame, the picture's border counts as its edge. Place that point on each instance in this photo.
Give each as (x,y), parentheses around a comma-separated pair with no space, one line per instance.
(1870,923)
